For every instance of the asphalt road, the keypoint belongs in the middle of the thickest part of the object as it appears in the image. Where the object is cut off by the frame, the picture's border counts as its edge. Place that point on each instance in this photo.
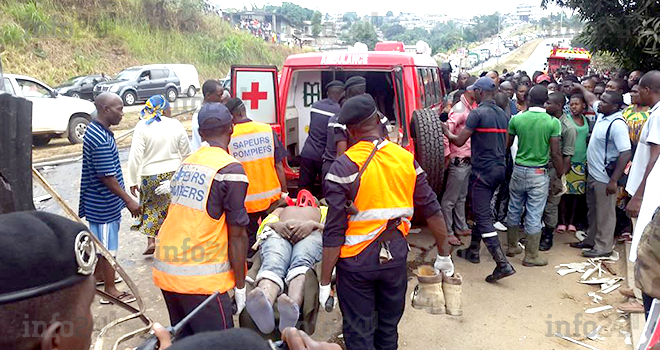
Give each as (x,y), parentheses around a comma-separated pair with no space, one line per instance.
(539,57)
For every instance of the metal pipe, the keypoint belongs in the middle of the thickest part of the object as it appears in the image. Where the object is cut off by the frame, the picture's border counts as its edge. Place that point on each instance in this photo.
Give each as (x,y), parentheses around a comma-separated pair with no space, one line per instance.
(140,312)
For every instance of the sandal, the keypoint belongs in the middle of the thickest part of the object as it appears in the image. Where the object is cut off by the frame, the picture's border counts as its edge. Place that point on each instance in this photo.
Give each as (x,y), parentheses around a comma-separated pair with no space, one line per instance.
(561,229)
(454,241)
(572,229)
(117,280)
(126,297)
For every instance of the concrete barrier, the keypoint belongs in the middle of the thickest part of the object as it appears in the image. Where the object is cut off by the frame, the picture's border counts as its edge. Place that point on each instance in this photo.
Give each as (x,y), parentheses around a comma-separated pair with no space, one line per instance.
(16,151)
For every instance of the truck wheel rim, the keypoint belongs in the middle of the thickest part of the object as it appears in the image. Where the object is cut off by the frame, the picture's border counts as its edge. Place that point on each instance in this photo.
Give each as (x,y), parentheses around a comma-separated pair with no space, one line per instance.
(171,95)
(191,92)
(80,130)
(75,96)
(130,99)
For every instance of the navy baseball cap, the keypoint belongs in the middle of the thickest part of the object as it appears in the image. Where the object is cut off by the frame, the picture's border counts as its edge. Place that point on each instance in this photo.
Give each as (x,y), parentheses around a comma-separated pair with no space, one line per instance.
(213,115)
(357,109)
(483,83)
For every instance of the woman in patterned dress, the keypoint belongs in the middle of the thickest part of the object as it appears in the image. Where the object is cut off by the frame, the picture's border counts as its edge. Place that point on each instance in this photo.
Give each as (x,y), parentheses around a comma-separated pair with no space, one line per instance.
(160,143)
(576,178)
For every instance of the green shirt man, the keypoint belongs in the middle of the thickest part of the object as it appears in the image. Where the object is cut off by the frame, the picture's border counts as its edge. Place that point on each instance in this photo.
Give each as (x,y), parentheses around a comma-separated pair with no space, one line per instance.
(534,129)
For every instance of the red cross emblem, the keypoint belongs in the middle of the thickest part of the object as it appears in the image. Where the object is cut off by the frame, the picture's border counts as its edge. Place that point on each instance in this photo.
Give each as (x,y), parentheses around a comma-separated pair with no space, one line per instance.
(254,96)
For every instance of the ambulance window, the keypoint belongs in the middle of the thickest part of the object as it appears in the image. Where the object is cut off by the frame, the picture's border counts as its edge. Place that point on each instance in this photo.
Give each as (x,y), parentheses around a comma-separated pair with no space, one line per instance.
(428,87)
(433,72)
(420,79)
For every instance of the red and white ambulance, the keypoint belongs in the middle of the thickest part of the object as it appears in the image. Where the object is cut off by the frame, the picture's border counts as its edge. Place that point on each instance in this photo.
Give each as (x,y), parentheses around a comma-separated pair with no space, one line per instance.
(408,89)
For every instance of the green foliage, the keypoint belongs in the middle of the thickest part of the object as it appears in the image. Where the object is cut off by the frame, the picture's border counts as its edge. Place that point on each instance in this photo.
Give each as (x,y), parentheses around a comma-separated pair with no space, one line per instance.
(12,34)
(363,32)
(108,35)
(295,13)
(316,24)
(628,29)
(350,17)
(389,14)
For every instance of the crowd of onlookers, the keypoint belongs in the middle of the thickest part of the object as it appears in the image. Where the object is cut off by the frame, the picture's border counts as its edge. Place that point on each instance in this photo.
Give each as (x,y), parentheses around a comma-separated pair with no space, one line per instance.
(260,29)
(581,159)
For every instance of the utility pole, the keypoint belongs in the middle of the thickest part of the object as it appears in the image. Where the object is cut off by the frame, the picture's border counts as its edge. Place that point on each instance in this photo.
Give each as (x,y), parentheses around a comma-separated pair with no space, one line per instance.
(561,23)
(497,51)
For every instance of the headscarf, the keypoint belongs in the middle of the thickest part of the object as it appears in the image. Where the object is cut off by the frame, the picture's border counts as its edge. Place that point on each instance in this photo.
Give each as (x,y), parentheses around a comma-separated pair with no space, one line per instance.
(154,108)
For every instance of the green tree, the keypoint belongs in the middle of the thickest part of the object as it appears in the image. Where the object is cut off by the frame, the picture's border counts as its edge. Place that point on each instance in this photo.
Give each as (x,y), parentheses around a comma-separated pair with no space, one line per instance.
(390,32)
(364,32)
(628,29)
(389,14)
(316,24)
(295,13)
(545,24)
(350,17)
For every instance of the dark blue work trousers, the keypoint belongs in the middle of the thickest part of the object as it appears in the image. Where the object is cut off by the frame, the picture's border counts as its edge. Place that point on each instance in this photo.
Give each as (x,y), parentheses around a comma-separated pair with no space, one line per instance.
(372,303)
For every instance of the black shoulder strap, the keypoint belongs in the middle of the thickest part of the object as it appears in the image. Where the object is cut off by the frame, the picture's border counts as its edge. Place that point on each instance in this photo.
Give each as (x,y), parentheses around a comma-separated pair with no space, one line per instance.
(354,185)
(607,137)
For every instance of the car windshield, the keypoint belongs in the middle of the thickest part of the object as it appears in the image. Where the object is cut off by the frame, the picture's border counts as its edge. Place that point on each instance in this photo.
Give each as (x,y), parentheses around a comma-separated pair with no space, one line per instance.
(128,74)
(72,81)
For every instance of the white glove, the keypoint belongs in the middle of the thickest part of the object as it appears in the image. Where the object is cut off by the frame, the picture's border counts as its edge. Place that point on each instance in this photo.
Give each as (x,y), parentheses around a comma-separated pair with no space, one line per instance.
(444,264)
(240,296)
(324,294)
(164,188)
(284,195)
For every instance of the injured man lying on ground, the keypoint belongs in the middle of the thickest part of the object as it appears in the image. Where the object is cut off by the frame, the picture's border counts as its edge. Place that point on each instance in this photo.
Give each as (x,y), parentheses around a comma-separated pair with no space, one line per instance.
(291,243)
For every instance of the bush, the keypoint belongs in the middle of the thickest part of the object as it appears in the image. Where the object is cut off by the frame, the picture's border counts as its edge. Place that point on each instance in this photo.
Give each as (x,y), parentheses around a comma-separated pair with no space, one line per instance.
(12,34)
(32,17)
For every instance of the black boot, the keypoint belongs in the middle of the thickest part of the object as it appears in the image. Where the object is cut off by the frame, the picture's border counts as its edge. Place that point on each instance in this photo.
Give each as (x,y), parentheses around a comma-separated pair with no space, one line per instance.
(503,269)
(471,253)
(546,239)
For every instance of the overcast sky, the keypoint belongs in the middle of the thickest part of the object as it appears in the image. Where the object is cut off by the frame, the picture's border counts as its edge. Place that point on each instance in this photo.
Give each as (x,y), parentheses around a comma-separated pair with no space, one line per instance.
(455,9)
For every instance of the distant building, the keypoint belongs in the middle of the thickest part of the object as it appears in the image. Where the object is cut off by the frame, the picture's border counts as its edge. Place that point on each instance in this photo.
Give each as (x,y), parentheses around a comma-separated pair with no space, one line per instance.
(279,24)
(528,12)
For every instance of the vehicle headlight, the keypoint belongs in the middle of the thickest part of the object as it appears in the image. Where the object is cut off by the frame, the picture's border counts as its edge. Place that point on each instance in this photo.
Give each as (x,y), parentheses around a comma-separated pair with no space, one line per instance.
(114,88)
(62,90)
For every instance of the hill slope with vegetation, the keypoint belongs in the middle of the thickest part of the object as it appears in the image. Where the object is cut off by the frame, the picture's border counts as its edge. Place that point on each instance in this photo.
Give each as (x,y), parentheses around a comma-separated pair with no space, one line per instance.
(53,40)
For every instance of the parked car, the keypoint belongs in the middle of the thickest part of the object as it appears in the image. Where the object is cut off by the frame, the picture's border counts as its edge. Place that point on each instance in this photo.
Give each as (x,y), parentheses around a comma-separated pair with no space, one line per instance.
(53,115)
(82,86)
(139,83)
(188,77)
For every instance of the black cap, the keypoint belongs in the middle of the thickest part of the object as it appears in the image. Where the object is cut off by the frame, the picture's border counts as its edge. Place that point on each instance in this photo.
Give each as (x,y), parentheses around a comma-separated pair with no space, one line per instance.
(483,83)
(42,253)
(357,109)
(335,84)
(213,115)
(355,81)
(233,104)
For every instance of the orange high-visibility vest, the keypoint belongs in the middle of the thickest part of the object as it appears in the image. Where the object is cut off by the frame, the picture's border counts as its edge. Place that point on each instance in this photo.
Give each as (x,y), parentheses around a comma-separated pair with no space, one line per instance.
(253,145)
(191,254)
(385,193)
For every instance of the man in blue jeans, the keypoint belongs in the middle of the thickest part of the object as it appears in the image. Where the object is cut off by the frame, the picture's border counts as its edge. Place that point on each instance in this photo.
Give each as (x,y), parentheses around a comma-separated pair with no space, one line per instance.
(486,126)
(291,243)
(539,135)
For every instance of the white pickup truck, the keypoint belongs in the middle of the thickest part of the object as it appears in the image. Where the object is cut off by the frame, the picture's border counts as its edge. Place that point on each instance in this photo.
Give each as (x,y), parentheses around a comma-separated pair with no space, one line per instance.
(53,115)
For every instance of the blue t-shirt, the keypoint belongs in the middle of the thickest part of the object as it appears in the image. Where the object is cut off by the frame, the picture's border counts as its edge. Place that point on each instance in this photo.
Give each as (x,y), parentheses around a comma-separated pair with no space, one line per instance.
(100,159)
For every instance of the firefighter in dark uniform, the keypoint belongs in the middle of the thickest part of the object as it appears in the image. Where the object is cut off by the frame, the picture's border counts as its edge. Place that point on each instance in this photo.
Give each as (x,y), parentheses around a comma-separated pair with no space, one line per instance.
(368,220)
(337,141)
(311,157)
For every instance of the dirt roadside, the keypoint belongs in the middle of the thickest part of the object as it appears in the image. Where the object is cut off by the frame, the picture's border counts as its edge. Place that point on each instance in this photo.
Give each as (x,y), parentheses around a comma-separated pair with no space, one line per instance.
(516,58)
(523,311)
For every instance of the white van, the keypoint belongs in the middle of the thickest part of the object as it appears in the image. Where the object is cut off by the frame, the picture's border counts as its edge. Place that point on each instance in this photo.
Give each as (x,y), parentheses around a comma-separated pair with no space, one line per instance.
(188,76)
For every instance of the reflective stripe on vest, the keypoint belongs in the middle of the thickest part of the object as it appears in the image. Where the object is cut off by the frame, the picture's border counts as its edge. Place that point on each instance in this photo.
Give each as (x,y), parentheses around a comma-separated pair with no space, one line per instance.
(385,193)
(253,145)
(191,254)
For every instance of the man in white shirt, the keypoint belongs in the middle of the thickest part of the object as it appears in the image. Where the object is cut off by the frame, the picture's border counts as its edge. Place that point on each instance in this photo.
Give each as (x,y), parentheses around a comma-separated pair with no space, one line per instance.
(647,151)
(609,143)
(213,92)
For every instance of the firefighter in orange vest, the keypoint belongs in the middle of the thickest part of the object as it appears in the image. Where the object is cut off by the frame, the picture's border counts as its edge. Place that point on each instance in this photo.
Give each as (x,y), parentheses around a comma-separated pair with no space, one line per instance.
(201,247)
(258,148)
(372,191)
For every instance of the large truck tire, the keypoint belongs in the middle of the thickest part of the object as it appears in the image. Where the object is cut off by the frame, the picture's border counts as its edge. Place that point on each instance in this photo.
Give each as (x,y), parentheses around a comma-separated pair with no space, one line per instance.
(429,147)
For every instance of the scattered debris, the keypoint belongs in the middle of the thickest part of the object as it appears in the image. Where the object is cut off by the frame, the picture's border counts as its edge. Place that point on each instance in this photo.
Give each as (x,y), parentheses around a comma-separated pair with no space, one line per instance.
(588,273)
(628,340)
(595,297)
(609,289)
(595,281)
(598,309)
(564,272)
(593,335)
(415,230)
(559,335)
(43,198)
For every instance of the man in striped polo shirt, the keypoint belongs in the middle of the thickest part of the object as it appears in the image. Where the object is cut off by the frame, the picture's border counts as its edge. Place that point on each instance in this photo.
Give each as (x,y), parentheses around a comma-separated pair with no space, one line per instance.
(102,194)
